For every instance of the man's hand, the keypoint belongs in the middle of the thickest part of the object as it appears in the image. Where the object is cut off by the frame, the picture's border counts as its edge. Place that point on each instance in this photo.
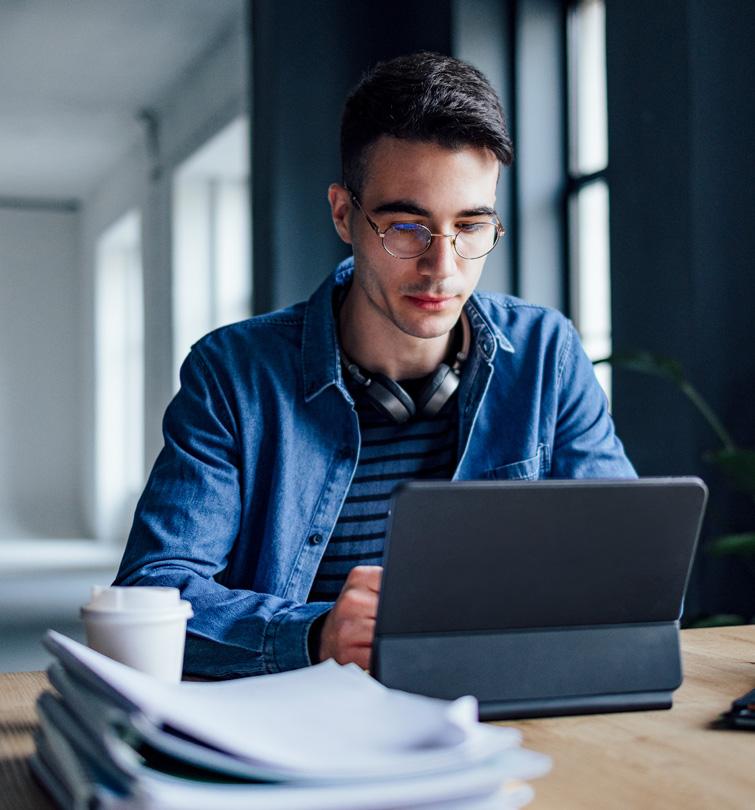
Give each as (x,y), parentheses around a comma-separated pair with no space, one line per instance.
(350,626)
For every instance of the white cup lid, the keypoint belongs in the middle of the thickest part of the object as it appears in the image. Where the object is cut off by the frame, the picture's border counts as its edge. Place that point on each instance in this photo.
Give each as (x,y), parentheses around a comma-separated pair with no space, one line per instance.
(116,599)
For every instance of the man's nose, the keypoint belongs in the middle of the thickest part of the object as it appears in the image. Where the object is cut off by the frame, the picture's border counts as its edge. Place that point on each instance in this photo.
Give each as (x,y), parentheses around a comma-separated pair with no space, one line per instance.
(440,258)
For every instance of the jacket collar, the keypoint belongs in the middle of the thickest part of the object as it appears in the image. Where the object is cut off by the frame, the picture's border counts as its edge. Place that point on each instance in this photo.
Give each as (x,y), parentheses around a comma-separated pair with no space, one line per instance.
(321,365)
(321,362)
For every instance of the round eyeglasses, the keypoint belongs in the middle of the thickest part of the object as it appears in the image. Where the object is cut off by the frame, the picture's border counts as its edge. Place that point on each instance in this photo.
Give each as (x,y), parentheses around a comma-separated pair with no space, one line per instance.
(408,240)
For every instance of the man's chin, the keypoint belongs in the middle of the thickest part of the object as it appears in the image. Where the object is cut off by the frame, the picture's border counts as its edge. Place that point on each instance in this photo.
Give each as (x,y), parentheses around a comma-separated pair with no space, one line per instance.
(430,325)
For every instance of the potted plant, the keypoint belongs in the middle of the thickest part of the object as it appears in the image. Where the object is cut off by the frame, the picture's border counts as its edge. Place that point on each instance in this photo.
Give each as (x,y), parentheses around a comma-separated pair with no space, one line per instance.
(736,463)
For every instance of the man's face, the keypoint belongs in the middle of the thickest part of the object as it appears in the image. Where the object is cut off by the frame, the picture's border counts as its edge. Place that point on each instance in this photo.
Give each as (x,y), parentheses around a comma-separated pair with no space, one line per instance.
(418,182)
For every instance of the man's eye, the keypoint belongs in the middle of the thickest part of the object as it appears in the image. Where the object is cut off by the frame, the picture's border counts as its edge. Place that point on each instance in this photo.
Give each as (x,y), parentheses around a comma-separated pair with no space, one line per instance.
(473,227)
(406,227)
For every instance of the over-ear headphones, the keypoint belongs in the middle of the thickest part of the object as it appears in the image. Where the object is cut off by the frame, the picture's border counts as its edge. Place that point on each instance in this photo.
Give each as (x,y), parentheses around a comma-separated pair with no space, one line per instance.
(394,402)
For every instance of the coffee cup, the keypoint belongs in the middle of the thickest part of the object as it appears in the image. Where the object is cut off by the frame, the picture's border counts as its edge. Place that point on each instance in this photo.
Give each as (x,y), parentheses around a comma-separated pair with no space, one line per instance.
(144,628)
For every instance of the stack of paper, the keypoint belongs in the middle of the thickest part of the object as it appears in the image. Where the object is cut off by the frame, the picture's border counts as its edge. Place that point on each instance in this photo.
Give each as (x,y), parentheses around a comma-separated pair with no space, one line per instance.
(328,737)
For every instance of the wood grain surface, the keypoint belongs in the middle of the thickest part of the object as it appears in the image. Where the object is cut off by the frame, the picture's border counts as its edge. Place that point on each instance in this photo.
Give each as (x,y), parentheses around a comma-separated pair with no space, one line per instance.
(18,693)
(663,759)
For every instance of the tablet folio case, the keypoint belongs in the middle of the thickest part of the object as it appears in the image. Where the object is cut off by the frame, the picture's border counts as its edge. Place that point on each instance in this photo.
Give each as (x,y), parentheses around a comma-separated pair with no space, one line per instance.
(539,598)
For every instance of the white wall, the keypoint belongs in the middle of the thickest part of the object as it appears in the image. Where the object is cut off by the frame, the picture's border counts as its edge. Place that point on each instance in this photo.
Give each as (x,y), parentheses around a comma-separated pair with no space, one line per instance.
(40,380)
(47,356)
(202,103)
(47,258)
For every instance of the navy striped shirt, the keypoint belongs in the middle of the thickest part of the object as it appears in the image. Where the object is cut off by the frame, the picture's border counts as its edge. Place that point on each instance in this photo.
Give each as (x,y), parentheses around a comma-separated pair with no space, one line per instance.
(423,447)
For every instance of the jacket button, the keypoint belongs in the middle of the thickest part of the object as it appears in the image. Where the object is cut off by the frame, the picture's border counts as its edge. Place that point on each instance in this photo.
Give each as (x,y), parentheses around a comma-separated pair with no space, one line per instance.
(315,539)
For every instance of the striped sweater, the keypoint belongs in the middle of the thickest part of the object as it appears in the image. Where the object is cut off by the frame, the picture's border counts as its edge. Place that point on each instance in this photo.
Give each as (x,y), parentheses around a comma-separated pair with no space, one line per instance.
(423,447)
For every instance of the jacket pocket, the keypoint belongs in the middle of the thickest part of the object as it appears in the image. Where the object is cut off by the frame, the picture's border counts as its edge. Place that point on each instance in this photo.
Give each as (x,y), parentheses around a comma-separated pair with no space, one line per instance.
(529,469)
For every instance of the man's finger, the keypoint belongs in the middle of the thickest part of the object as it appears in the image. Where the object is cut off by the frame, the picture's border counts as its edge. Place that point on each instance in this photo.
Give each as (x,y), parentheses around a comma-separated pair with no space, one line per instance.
(368,576)
(357,600)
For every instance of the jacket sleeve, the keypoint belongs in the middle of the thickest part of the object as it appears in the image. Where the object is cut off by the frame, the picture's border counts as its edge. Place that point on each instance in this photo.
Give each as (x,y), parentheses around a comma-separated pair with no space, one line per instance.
(586,444)
(185,527)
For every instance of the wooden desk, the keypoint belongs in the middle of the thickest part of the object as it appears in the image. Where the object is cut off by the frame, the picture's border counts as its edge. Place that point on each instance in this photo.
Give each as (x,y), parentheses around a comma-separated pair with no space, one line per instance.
(663,759)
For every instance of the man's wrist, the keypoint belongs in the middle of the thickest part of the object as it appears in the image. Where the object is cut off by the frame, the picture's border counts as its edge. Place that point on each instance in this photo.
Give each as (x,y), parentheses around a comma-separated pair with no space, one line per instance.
(314,636)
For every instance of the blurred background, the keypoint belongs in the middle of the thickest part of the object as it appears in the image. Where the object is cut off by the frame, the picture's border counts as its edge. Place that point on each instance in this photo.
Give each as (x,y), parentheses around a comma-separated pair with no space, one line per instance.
(163,170)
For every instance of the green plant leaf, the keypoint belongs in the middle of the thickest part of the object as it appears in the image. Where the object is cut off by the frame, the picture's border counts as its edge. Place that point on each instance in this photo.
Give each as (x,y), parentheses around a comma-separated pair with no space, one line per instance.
(648,363)
(738,466)
(742,543)
(669,369)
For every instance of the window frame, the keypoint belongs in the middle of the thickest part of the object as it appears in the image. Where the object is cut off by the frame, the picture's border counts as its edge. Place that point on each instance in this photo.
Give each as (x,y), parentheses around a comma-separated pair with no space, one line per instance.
(576,182)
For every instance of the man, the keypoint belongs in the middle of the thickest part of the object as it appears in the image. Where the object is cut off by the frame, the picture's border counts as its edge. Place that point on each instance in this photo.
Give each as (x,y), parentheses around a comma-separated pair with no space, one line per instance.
(267,506)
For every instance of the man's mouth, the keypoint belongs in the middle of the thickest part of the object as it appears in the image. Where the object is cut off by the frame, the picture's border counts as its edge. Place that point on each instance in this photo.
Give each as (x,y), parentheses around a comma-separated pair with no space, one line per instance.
(431,303)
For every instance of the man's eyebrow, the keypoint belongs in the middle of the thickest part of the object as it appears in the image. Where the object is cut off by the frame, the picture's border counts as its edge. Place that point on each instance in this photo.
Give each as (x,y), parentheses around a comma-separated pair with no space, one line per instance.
(409,207)
(481,211)
(401,207)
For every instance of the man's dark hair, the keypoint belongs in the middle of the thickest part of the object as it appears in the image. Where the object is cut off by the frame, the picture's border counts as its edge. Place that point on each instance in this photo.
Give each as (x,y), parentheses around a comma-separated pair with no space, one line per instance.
(421,97)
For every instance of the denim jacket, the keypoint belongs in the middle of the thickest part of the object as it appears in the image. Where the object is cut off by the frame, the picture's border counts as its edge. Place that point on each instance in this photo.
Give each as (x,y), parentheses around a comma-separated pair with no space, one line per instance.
(262,440)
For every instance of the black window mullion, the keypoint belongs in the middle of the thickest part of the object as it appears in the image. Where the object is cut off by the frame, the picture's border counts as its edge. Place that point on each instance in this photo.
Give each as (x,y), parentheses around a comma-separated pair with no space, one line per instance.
(576,182)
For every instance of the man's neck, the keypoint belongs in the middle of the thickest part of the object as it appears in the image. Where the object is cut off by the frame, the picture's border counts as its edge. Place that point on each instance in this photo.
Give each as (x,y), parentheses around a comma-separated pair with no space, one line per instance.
(377,345)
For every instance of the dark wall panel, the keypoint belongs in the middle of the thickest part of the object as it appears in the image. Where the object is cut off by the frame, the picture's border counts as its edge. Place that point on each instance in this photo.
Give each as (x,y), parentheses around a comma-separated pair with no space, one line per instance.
(682,170)
(722,168)
(306,57)
(680,78)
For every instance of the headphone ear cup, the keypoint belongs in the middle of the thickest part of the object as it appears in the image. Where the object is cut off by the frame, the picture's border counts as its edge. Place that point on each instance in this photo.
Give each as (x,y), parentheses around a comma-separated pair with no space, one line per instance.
(390,398)
(439,389)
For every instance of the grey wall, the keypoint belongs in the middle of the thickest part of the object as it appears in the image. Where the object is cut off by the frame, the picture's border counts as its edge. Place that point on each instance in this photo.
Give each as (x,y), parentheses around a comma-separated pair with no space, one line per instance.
(682,173)
(479,39)
(40,386)
(306,56)
(539,134)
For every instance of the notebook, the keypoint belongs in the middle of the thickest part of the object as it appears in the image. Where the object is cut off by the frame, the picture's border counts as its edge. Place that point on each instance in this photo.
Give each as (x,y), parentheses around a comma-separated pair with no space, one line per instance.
(539,597)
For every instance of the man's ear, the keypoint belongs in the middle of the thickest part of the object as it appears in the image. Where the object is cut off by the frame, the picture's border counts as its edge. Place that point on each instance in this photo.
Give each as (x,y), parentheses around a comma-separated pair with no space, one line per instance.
(340,209)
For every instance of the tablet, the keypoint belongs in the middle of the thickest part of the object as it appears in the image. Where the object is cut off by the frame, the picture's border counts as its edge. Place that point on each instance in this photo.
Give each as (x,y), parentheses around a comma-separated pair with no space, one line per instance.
(538,597)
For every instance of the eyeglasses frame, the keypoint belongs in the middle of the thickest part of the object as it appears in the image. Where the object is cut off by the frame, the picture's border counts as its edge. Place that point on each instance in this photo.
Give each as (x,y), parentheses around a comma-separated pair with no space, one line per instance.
(500,230)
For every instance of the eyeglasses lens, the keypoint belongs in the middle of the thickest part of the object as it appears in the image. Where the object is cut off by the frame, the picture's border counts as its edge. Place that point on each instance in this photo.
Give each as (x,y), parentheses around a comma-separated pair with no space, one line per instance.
(406,240)
(474,241)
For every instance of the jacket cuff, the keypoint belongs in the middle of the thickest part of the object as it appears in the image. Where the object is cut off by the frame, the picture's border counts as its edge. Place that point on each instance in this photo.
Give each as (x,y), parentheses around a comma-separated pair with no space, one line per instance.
(286,636)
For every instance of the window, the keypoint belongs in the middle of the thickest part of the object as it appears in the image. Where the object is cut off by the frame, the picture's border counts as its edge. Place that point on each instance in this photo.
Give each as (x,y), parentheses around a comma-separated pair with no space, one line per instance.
(590,282)
(212,279)
(119,388)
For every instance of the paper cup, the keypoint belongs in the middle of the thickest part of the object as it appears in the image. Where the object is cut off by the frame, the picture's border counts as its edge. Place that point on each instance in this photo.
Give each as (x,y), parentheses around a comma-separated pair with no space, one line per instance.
(144,628)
